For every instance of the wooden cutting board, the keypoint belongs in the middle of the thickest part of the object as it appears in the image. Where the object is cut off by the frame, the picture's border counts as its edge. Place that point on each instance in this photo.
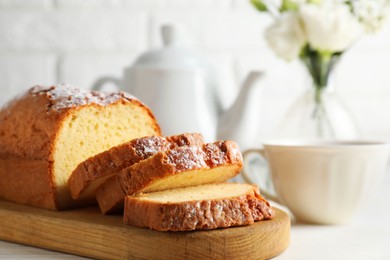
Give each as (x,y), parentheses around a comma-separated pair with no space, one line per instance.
(86,232)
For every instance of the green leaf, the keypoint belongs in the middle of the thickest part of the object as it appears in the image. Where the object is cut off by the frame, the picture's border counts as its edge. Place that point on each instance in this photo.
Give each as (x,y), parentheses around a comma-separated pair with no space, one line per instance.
(288,5)
(259,5)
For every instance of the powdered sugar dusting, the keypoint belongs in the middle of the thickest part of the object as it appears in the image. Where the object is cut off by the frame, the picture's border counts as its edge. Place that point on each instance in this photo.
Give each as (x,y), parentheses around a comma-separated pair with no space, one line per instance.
(222,152)
(217,210)
(64,96)
(209,155)
(186,139)
(215,153)
(235,152)
(187,158)
(148,146)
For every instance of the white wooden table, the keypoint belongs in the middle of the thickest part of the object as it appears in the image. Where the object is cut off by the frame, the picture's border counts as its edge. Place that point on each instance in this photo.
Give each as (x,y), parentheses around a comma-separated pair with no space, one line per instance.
(366,237)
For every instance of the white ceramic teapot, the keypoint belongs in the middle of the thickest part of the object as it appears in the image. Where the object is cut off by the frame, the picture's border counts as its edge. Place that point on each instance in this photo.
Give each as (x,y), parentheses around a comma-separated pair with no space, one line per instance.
(180,89)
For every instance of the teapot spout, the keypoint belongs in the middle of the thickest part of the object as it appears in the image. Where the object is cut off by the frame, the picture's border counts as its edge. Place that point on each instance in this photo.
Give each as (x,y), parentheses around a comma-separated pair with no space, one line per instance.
(240,122)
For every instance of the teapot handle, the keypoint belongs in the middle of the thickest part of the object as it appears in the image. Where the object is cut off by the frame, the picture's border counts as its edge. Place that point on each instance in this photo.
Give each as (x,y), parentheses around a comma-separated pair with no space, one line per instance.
(99,83)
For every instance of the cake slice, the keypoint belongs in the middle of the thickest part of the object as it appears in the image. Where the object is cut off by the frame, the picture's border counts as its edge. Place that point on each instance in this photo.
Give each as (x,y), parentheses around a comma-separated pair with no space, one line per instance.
(91,173)
(176,168)
(206,206)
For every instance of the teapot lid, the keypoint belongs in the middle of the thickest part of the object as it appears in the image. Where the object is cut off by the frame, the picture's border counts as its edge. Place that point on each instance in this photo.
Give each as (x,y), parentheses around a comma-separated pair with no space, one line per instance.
(174,54)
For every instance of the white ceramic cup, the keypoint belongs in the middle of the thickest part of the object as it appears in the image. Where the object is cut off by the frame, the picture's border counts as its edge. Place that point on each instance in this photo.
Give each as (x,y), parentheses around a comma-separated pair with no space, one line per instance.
(320,182)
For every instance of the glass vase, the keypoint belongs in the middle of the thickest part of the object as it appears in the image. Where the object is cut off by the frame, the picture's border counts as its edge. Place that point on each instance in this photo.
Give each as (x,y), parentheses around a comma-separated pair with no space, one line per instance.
(319,113)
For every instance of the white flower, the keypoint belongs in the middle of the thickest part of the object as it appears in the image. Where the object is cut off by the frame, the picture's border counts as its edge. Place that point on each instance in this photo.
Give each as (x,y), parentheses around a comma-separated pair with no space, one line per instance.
(330,27)
(286,36)
(372,14)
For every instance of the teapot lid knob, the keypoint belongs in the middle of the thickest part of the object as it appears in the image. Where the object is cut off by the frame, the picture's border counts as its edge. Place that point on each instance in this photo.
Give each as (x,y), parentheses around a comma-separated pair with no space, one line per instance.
(176,52)
(173,34)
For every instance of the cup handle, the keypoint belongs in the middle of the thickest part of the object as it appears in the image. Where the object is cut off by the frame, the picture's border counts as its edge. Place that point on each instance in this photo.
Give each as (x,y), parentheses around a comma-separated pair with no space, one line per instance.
(99,83)
(247,174)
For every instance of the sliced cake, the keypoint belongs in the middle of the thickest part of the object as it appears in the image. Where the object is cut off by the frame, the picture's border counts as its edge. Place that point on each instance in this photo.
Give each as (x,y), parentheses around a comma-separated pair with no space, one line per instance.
(200,207)
(175,168)
(46,132)
(91,173)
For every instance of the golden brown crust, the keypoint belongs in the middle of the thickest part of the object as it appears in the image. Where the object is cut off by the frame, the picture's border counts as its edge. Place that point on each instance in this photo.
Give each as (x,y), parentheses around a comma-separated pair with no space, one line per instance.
(27,129)
(97,168)
(222,152)
(29,126)
(197,215)
(25,181)
(136,178)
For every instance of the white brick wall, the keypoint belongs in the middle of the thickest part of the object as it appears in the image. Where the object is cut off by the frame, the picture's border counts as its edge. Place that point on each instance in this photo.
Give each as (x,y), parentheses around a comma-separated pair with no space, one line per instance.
(22,70)
(76,41)
(72,31)
(84,69)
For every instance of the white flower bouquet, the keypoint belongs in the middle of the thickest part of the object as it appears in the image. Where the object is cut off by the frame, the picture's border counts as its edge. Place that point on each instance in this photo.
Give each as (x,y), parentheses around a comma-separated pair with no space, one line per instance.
(319,31)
